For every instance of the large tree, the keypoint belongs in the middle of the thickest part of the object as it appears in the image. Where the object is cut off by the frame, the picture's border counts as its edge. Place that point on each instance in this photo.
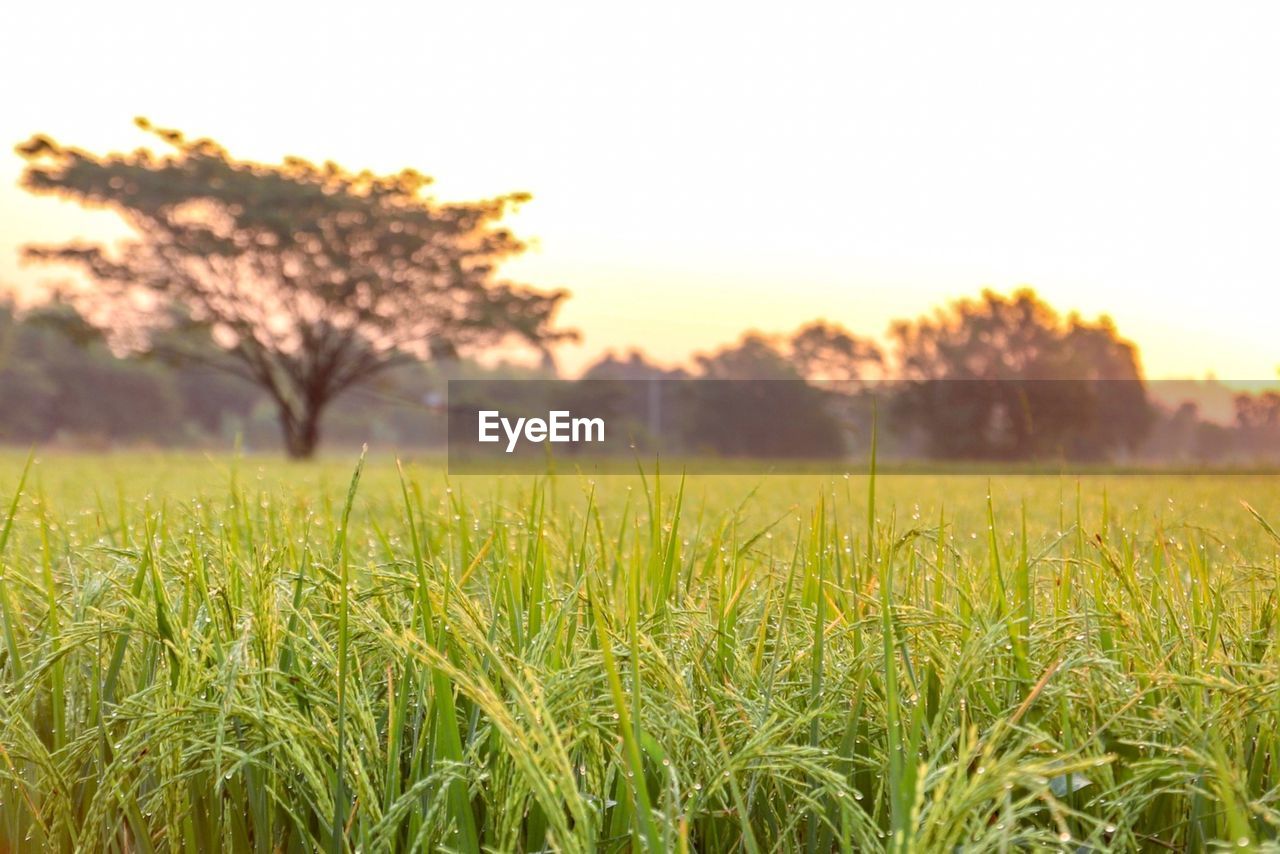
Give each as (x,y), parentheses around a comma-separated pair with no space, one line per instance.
(311,278)
(1008,377)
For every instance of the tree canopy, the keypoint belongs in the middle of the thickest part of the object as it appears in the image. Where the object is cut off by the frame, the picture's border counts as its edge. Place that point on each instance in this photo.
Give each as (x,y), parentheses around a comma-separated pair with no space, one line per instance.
(779,395)
(1007,377)
(312,279)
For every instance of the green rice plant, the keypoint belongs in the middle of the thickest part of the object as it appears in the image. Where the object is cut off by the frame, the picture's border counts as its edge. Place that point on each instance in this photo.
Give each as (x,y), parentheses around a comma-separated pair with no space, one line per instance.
(237,654)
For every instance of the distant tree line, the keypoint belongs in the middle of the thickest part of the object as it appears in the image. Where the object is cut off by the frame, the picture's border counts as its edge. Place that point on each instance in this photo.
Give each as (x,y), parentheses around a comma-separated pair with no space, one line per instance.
(283,302)
(60,382)
(992,378)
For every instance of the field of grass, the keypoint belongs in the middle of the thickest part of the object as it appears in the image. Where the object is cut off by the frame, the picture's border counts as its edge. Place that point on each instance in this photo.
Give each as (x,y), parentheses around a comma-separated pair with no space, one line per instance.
(243,654)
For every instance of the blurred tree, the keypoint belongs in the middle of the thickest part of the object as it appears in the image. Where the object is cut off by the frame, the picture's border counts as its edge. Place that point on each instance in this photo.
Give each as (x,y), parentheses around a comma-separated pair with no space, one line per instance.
(1109,370)
(1008,378)
(729,406)
(756,356)
(1258,411)
(58,376)
(1258,423)
(311,279)
(828,352)
(636,366)
(642,398)
(26,390)
(818,351)
(752,400)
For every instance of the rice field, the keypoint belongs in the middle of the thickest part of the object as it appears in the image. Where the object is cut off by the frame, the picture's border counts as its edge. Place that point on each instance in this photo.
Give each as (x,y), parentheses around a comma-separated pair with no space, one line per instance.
(246,655)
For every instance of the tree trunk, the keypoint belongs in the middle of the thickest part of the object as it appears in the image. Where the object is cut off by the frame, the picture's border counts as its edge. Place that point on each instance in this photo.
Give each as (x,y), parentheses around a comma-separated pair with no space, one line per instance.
(301,432)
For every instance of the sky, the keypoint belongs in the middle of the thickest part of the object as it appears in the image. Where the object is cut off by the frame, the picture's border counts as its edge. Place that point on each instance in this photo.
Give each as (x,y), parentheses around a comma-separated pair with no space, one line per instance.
(699,169)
